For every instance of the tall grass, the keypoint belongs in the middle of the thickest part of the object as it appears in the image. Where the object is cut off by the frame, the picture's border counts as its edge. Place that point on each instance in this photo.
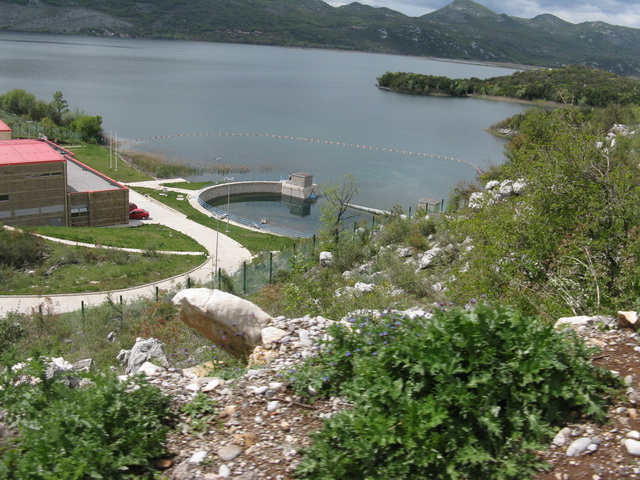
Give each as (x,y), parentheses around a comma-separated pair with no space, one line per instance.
(160,167)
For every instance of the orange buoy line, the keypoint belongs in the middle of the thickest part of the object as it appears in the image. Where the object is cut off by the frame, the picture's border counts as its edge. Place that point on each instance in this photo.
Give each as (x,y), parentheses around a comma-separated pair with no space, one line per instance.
(303,139)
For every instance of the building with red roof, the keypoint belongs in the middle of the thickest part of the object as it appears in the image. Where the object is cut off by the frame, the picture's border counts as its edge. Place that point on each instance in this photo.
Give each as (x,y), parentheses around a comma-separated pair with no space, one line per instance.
(5,131)
(43,184)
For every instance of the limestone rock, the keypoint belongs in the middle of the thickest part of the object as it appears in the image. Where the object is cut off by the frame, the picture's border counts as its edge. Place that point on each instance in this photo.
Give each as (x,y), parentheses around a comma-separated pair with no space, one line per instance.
(628,320)
(271,335)
(231,322)
(632,446)
(326,259)
(573,322)
(427,258)
(143,351)
(578,447)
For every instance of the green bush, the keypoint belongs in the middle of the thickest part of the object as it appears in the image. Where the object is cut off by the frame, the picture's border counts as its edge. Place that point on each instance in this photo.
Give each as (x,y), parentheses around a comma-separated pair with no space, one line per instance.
(465,394)
(19,249)
(106,430)
(11,330)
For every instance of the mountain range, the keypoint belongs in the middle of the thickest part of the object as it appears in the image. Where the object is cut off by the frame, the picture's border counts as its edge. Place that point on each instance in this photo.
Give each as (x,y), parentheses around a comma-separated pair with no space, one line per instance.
(462,30)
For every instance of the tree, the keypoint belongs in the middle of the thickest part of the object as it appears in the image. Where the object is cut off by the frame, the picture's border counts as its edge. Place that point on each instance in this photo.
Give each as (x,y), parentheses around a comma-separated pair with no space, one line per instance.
(90,127)
(59,107)
(18,101)
(337,197)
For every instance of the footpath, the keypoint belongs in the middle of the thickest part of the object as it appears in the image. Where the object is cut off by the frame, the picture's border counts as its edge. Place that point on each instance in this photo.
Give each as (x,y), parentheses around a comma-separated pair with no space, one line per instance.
(230,256)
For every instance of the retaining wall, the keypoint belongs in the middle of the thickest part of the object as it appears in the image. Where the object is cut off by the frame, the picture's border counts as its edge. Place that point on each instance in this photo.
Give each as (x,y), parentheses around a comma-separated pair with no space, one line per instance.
(236,188)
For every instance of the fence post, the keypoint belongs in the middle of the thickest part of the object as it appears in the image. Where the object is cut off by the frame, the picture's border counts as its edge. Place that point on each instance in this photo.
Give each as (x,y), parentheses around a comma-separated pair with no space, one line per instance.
(157,293)
(270,267)
(409,213)
(188,282)
(442,205)
(244,277)
(314,241)
(373,222)
(219,277)
(81,306)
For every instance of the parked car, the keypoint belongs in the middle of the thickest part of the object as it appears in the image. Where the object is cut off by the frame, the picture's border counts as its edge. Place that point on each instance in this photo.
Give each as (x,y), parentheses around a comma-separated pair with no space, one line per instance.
(139,213)
(132,206)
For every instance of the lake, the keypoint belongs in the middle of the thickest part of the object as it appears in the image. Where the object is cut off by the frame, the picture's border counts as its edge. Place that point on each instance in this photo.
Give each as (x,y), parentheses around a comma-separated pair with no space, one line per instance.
(283,110)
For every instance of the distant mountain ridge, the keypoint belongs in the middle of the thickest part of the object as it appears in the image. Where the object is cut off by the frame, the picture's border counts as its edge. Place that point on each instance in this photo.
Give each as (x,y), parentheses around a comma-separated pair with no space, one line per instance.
(462,30)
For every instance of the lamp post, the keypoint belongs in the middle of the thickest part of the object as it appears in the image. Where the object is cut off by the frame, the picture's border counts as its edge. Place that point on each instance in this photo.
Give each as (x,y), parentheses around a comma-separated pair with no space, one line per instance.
(216,262)
(218,216)
(228,203)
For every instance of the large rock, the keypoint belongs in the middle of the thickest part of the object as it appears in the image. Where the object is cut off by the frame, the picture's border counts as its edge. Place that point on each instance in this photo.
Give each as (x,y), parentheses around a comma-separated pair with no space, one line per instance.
(143,351)
(628,320)
(231,322)
(326,259)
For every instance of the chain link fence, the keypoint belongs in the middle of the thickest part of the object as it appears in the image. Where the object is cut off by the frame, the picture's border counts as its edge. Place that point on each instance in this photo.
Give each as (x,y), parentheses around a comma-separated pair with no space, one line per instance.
(36,129)
(265,269)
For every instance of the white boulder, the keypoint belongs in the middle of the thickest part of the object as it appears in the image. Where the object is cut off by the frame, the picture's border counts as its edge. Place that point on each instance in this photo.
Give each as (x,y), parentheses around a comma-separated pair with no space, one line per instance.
(231,322)
(326,259)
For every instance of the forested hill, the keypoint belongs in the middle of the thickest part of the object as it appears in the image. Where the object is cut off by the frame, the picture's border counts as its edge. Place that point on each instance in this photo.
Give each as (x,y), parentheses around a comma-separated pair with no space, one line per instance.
(576,84)
(461,30)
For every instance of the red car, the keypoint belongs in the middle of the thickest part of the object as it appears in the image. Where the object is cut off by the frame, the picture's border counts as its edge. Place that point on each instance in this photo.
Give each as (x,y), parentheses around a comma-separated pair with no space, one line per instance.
(139,213)
(132,206)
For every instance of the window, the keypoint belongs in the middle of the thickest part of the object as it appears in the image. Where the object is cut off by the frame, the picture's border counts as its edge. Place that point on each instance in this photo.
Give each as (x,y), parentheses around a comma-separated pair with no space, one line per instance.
(4,197)
(79,212)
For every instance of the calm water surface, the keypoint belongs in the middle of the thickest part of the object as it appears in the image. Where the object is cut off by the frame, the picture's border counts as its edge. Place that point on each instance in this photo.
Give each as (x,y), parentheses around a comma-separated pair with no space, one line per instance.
(151,88)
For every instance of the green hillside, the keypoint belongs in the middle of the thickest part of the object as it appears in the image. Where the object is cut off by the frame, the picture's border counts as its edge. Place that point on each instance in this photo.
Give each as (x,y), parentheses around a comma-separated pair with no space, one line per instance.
(461,30)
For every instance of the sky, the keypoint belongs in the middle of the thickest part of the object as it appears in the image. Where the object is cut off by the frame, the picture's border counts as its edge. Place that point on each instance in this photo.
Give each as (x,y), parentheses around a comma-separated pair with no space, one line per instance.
(614,12)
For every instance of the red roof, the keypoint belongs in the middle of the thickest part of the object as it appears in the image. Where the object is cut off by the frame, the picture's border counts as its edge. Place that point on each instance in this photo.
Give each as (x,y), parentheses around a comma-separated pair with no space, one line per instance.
(14,152)
(4,127)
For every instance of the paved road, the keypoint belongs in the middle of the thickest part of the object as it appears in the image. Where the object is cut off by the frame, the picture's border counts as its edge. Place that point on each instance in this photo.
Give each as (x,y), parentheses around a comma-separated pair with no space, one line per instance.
(230,255)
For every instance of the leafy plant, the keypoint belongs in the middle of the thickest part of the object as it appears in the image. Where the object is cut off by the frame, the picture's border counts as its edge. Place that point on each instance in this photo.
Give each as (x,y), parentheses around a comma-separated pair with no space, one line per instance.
(200,411)
(11,330)
(569,242)
(109,429)
(464,394)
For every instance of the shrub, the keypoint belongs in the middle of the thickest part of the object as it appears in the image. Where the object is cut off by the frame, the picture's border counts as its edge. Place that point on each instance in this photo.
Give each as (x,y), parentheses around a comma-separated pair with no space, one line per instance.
(19,249)
(11,330)
(106,430)
(465,394)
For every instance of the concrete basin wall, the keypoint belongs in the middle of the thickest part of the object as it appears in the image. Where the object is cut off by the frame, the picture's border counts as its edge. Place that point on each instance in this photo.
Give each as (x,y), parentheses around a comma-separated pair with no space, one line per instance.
(236,188)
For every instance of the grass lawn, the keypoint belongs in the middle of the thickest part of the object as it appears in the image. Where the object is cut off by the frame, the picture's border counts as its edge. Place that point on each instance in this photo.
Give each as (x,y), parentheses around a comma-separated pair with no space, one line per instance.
(255,242)
(188,185)
(69,269)
(145,237)
(98,158)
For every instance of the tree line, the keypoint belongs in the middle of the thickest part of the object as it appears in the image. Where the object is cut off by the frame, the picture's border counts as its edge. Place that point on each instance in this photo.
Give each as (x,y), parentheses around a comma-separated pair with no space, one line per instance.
(54,114)
(576,84)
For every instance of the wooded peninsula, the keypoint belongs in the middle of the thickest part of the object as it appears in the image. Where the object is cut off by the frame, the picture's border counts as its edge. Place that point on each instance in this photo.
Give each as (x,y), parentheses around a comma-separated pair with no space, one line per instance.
(576,84)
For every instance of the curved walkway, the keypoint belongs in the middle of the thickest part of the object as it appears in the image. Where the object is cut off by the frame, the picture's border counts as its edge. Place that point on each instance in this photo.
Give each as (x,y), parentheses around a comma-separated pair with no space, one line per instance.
(230,256)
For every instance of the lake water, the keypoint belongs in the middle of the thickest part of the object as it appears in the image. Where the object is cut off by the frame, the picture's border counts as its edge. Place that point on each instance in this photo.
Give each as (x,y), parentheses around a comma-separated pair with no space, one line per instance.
(315,111)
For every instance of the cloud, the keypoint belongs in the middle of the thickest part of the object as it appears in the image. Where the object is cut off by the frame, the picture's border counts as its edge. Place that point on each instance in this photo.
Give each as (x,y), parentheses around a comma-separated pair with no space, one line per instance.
(614,12)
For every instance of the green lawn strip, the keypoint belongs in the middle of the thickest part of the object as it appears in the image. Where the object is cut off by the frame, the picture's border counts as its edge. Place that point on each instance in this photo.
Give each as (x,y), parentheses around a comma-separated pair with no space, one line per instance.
(187,185)
(78,269)
(144,237)
(255,242)
(98,158)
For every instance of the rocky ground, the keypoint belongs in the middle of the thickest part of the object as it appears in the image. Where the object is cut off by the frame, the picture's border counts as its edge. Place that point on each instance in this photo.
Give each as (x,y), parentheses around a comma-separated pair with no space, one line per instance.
(260,426)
